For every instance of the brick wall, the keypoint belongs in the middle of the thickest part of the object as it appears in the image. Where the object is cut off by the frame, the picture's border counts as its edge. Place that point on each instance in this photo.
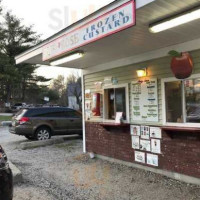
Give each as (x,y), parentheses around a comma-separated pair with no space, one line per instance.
(180,151)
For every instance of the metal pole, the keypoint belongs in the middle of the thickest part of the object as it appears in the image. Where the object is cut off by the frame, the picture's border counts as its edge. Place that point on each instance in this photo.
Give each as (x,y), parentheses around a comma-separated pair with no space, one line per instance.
(83,111)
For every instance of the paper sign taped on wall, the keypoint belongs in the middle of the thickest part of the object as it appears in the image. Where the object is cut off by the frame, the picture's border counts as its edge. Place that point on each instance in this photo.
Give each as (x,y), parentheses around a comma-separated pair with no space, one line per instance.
(135,142)
(145,132)
(152,159)
(145,145)
(155,132)
(135,130)
(155,146)
(139,157)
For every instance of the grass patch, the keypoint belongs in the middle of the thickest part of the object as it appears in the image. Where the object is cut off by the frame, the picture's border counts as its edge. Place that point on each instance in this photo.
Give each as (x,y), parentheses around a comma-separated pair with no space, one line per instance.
(5,118)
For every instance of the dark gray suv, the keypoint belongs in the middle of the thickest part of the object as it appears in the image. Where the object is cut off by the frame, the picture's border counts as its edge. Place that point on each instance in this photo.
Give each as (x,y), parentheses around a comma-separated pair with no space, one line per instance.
(42,123)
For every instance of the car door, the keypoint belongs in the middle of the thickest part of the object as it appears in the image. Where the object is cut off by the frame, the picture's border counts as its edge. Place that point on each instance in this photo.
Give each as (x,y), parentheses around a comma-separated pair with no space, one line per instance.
(45,116)
(73,121)
(59,117)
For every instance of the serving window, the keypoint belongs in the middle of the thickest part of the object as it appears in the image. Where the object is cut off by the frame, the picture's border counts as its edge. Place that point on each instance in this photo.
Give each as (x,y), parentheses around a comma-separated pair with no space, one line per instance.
(182,101)
(116,100)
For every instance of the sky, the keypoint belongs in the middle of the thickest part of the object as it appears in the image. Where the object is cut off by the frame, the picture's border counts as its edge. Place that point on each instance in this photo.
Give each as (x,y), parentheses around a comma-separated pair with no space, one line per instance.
(49,17)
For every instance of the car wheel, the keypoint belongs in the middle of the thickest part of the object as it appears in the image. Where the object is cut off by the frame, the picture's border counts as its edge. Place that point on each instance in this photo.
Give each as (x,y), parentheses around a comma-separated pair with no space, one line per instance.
(29,137)
(43,133)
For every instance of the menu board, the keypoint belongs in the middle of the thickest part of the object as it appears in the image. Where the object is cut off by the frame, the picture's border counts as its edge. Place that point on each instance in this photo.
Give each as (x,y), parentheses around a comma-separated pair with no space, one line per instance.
(145,100)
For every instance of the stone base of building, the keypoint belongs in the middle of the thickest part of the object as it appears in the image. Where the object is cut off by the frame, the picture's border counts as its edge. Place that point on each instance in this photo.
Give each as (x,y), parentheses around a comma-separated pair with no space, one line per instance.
(176,176)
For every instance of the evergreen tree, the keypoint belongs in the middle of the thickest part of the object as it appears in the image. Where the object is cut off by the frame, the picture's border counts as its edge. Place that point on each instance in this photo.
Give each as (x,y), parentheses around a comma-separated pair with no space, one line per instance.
(16,80)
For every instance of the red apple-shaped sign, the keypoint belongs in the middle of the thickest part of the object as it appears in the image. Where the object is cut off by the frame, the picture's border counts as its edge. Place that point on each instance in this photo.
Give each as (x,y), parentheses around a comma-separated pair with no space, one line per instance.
(181,64)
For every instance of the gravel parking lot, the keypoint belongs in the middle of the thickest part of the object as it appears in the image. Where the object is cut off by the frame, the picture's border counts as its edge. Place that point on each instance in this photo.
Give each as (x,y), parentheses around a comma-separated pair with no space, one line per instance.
(62,172)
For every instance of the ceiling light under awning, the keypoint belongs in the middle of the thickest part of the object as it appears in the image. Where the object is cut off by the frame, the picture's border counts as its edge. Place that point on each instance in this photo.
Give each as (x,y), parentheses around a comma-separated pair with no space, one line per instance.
(142,72)
(175,21)
(67,59)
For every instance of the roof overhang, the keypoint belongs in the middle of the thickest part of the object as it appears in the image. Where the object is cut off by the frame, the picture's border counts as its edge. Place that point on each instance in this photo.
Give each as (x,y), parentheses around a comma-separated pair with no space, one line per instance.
(133,44)
(34,55)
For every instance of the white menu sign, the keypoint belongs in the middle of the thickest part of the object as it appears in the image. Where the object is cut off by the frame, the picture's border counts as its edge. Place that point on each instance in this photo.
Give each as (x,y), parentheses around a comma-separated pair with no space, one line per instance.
(145,100)
(109,23)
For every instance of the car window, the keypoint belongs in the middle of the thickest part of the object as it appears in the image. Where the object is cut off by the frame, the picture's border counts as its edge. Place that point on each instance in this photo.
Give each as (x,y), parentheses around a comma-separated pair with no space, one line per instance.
(20,114)
(56,114)
(73,114)
(53,113)
(36,112)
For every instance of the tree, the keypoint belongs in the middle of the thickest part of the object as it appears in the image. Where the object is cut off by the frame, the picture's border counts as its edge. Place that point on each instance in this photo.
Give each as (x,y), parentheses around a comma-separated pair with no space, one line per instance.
(74,87)
(0,7)
(59,85)
(16,80)
(65,87)
(53,95)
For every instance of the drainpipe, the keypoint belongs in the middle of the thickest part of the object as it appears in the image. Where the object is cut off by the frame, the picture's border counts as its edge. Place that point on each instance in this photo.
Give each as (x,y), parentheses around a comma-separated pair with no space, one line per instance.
(83,111)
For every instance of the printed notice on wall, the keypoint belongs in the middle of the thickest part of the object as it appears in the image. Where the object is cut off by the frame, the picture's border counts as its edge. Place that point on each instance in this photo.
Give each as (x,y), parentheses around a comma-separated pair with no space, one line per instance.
(145,145)
(135,142)
(145,132)
(139,157)
(145,100)
(155,146)
(88,105)
(152,160)
(135,130)
(87,115)
(155,132)
(88,94)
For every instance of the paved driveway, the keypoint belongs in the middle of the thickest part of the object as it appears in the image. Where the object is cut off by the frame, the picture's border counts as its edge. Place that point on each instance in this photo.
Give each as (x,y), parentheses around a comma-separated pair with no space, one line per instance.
(62,172)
